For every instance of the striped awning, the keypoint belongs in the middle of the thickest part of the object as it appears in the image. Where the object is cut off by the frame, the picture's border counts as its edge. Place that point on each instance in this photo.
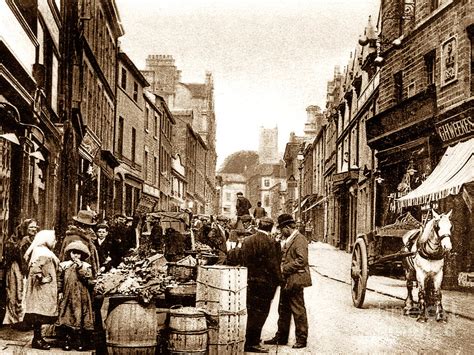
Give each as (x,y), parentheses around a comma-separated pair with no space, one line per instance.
(302,204)
(455,169)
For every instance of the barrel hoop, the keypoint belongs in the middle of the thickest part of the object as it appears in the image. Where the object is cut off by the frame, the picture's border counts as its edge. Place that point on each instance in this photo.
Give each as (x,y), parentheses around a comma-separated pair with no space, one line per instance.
(133,344)
(178,352)
(220,288)
(186,315)
(220,312)
(190,332)
(232,342)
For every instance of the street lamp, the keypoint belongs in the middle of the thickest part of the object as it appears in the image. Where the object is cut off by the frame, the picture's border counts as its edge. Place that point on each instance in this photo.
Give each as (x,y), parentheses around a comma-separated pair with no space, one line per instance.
(300,158)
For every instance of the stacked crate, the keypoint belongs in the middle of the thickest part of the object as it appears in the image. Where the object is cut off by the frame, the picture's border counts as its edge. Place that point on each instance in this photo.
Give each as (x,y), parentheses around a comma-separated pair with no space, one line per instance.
(222,293)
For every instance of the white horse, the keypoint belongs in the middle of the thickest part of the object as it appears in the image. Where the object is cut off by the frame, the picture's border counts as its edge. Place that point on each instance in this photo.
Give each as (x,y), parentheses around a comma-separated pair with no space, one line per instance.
(427,262)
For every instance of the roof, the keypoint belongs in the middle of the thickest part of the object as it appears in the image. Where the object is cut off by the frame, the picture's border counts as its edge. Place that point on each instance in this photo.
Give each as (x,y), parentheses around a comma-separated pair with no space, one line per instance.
(133,68)
(455,169)
(228,177)
(197,90)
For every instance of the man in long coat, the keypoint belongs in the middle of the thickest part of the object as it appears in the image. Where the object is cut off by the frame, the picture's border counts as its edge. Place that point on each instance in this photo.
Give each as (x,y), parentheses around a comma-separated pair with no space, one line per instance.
(296,276)
(260,253)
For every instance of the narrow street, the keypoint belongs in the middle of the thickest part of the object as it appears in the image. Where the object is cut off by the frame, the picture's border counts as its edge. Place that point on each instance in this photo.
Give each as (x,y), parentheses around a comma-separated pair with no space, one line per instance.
(336,326)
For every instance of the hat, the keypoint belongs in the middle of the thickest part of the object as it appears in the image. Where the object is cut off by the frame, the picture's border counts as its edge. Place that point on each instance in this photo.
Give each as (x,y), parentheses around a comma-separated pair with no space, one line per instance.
(240,194)
(222,218)
(78,246)
(85,217)
(246,218)
(266,221)
(285,219)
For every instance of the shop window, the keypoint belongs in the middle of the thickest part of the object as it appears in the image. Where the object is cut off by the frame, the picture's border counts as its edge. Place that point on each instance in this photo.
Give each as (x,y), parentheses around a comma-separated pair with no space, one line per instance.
(128,200)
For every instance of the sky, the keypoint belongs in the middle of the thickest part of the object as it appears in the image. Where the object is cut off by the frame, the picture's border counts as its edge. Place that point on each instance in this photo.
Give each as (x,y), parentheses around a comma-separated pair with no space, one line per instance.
(269,59)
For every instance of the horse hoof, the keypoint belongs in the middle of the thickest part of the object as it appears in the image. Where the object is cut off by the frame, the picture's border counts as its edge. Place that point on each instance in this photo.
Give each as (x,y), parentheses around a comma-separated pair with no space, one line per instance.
(421,320)
(443,320)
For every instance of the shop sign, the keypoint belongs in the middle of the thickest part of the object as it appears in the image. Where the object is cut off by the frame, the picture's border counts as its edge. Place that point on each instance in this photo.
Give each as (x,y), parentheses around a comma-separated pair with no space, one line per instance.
(455,128)
(150,190)
(145,204)
(89,146)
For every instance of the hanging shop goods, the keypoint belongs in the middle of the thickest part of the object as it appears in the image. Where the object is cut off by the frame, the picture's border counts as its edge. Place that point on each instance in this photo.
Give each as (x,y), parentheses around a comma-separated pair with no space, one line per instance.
(187,331)
(222,292)
(131,328)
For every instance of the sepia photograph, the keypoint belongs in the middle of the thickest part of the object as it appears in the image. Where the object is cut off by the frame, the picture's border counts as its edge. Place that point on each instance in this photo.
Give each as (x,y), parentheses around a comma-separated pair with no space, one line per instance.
(232,177)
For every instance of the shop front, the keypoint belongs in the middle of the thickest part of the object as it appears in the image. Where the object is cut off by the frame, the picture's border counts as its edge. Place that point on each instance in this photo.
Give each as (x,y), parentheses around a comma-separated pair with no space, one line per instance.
(450,186)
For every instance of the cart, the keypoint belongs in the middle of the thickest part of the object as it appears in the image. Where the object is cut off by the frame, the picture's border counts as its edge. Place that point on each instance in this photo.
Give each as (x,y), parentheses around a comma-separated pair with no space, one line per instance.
(379,252)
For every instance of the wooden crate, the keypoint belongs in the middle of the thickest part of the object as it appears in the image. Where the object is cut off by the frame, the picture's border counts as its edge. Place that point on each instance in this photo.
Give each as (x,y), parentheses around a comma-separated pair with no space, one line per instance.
(233,348)
(221,288)
(227,327)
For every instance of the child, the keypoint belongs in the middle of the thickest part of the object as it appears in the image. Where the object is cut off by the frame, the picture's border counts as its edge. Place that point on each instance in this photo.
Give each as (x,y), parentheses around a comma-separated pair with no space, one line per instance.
(41,298)
(75,307)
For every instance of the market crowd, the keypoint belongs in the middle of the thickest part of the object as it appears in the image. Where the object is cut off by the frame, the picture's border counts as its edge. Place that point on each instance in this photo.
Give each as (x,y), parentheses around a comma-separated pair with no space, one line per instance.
(50,279)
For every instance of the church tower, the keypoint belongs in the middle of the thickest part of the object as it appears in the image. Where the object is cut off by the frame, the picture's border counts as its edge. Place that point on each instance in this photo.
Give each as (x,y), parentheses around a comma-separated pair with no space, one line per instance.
(268,146)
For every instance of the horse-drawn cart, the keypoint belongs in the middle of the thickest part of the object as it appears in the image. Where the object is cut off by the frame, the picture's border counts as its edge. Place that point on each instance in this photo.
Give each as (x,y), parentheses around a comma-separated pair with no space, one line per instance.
(379,252)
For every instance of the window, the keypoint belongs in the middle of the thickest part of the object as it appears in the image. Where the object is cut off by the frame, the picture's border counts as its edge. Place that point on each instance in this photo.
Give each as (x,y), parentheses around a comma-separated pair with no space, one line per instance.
(266,183)
(147,113)
(411,89)
(430,58)
(155,169)
(123,81)
(434,5)
(471,38)
(120,137)
(155,127)
(267,201)
(134,144)
(227,196)
(145,165)
(398,86)
(135,91)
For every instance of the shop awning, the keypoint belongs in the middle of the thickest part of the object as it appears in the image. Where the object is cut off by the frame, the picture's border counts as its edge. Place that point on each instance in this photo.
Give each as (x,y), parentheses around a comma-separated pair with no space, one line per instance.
(315,204)
(302,204)
(455,169)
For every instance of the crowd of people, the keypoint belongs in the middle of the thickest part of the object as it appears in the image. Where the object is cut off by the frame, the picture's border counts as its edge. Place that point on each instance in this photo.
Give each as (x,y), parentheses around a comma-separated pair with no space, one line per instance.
(52,283)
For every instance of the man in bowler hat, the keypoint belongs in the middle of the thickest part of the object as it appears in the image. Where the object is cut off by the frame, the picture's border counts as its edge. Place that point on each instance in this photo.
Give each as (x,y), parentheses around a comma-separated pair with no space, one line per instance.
(260,253)
(296,276)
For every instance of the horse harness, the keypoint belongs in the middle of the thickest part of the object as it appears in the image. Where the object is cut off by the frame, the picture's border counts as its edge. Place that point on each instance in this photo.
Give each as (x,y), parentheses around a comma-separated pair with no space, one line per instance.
(430,250)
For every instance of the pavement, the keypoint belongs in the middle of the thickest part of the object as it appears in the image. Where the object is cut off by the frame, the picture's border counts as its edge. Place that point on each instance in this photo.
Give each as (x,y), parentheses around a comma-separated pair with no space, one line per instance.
(335,264)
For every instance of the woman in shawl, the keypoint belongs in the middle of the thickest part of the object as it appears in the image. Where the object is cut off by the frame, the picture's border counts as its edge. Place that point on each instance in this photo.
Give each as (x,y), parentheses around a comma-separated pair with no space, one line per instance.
(17,270)
(41,298)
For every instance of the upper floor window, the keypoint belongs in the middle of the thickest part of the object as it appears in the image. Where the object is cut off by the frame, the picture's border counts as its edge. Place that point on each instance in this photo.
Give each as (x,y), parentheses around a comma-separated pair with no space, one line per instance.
(135,91)
(430,58)
(147,113)
(398,86)
(123,79)
(434,5)
(266,183)
(120,137)
(155,127)
(134,144)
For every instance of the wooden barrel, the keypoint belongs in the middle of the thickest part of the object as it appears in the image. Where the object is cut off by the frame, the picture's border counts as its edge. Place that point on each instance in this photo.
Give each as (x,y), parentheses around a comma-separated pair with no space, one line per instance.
(187,331)
(131,329)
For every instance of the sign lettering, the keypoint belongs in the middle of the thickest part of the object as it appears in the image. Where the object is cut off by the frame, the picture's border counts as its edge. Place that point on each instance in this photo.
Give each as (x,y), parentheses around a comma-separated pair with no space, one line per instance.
(455,129)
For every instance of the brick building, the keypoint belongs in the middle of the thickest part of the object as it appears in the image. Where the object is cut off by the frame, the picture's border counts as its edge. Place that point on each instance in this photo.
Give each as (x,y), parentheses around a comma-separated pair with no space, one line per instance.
(129,136)
(426,88)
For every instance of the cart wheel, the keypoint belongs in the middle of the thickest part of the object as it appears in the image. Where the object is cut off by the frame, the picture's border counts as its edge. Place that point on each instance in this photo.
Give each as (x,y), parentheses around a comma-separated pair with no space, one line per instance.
(359,272)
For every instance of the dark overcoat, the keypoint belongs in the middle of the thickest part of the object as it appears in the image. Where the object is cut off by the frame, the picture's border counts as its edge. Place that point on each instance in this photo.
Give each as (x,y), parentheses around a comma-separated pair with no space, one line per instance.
(294,264)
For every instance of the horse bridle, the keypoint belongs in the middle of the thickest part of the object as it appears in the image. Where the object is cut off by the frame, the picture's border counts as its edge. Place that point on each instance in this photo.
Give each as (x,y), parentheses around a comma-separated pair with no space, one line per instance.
(430,256)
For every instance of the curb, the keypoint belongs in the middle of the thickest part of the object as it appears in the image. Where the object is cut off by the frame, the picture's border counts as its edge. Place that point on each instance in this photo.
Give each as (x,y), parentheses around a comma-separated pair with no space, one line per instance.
(314,268)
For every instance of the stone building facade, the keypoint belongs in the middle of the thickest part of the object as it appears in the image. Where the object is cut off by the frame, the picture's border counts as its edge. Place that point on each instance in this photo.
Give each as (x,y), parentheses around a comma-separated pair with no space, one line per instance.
(198,98)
